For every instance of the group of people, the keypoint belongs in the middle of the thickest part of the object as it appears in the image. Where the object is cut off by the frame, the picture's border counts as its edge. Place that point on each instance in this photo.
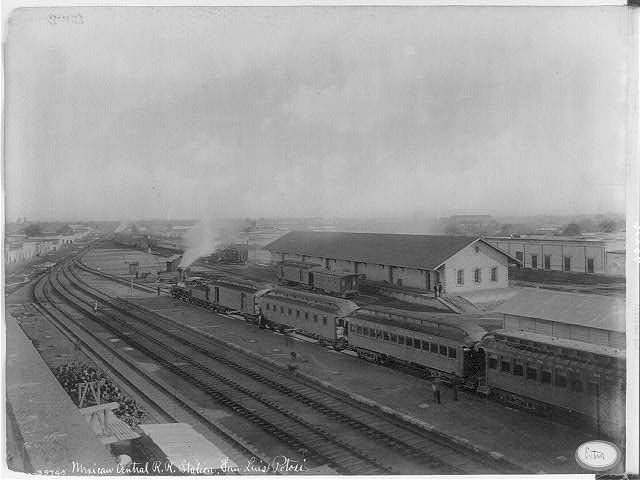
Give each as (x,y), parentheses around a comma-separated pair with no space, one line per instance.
(437,290)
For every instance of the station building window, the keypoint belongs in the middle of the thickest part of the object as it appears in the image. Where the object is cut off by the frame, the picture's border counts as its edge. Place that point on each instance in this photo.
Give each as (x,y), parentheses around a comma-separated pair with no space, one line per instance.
(385,336)
(434,347)
(400,339)
(567,264)
(425,345)
(289,310)
(460,277)
(561,380)
(494,274)
(519,256)
(547,262)
(545,376)
(353,328)
(315,318)
(492,363)
(505,366)
(593,388)
(590,268)
(477,275)
(443,350)
(372,332)
(532,374)
(324,320)
(365,331)
(379,334)
(453,353)
(359,330)
(534,261)
(297,313)
(416,343)
(518,368)
(281,309)
(306,315)
(394,338)
(575,382)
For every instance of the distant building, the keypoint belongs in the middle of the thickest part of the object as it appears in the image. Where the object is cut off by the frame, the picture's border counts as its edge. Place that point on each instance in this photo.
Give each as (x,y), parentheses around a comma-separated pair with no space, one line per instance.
(567,254)
(461,264)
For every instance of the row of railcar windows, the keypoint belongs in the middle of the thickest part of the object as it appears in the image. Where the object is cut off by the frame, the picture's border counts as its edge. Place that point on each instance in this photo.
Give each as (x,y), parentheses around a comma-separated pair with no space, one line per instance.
(416,343)
(571,380)
(273,308)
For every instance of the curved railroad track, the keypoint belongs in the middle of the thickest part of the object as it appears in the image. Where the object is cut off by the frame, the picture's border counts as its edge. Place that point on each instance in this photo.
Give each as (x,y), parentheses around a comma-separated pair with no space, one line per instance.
(335,431)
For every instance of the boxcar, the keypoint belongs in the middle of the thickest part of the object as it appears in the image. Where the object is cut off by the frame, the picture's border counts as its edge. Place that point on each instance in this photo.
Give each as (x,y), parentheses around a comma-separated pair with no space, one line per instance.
(557,376)
(317,316)
(236,295)
(313,276)
(342,284)
(440,343)
(295,273)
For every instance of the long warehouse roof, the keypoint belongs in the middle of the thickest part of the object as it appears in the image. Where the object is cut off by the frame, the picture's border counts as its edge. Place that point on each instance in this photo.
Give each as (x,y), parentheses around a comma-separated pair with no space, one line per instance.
(414,251)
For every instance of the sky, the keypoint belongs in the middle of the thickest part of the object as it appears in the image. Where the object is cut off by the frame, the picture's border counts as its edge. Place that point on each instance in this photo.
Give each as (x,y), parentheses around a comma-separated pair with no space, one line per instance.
(168,113)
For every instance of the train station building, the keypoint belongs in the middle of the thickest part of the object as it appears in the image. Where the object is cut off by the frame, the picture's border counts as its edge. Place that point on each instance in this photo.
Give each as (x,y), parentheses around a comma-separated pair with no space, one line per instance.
(462,264)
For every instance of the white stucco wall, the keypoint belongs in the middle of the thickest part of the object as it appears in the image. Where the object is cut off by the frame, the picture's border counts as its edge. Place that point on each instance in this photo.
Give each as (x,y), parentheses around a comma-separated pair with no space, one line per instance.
(467,260)
(557,250)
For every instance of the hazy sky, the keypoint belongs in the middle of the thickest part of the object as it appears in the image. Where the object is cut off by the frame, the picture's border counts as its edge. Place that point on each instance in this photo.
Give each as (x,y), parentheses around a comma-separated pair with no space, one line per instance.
(180,112)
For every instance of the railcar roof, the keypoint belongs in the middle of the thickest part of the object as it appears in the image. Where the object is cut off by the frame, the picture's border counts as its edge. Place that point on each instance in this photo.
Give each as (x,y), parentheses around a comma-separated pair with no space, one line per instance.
(468,325)
(335,273)
(243,285)
(559,342)
(594,311)
(342,306)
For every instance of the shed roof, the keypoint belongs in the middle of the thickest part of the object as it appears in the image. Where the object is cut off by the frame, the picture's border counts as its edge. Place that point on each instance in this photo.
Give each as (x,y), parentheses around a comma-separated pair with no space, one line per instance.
(414,251)
(173,258)
(594,311)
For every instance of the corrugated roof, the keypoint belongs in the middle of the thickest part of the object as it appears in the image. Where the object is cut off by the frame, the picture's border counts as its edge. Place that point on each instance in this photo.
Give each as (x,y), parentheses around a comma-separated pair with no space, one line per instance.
(595,311)
(415,251)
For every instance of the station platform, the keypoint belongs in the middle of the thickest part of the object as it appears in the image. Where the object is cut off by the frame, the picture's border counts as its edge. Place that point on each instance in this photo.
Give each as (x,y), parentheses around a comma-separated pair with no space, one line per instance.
(46,433)
(533,443)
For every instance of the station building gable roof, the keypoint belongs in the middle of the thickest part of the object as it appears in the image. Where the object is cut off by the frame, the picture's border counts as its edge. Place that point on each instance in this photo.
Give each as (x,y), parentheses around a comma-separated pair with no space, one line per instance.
(413,251)
(593,311)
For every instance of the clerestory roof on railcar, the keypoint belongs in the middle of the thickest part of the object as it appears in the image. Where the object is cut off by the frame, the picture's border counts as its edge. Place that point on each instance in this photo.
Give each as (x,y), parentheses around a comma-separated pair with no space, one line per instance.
(341,306)
(455,326)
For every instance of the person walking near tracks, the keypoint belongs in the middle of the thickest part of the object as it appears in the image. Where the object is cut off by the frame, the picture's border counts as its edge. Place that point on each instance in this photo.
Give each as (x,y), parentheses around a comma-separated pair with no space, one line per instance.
(436,391)
(95,307)
(158,290)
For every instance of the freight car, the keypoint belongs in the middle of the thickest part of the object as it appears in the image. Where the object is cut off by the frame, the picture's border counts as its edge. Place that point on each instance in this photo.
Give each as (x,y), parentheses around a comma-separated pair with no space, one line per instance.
(316,316)
(223,296)
(443,344)
(313,276)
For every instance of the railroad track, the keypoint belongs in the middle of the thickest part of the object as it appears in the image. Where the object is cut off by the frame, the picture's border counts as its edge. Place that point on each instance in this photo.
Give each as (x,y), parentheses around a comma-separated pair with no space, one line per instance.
(162,399)
(345,435)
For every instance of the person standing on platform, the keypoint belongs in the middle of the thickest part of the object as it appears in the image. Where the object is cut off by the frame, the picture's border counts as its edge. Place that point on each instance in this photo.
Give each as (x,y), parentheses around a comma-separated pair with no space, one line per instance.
(435,290)
(439,289)
(436,385)
(158,290)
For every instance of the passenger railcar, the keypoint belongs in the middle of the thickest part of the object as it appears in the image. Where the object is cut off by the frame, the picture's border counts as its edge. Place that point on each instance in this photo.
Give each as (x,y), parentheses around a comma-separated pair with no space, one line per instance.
(313,276)
(557,376)
(440,343)
(317,316)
